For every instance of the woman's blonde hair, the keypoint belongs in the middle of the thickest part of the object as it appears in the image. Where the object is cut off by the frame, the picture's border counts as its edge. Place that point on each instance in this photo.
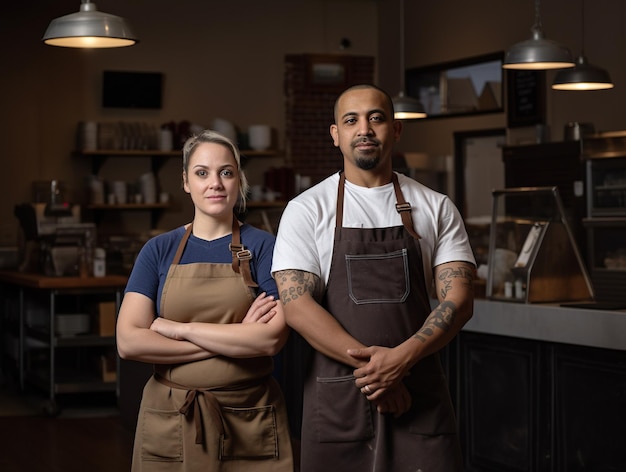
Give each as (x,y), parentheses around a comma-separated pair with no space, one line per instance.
(210,136)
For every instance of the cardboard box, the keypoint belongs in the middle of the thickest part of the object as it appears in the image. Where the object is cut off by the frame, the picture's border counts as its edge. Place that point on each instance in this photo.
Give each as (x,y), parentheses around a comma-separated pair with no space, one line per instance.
(108,367)
(106,318)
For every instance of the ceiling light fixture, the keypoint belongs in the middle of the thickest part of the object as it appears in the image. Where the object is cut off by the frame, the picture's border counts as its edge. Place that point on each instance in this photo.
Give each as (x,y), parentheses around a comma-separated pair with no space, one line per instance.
(584,76)
(405,108)
(89,28)
(537,53)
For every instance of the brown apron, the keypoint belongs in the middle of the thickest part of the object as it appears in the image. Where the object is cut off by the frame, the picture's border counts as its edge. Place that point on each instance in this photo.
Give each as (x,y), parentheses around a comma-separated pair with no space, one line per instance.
(377,291)
(218,414)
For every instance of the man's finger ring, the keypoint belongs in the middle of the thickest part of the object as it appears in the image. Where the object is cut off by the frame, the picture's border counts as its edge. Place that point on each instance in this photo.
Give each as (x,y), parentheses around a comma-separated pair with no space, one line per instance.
(367,389)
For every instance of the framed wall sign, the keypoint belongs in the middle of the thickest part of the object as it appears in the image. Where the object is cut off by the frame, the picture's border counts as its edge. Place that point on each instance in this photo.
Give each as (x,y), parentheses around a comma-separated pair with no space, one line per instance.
(465,87)
(526,98)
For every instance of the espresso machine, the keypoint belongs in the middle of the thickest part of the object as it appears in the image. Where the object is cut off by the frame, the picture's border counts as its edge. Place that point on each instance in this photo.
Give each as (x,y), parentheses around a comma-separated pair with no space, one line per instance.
(54,236)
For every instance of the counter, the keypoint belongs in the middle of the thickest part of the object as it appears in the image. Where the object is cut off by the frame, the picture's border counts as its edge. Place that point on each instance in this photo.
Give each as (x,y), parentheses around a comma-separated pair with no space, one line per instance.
(540,386)
(550,322)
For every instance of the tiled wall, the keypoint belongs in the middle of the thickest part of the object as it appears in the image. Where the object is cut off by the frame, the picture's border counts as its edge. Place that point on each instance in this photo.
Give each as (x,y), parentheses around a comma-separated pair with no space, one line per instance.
(312,84)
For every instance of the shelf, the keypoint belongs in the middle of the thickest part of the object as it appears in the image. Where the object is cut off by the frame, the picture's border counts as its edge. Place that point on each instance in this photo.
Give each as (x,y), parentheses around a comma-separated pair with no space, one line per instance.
(129,152)
(253,153)
(78,340)
(255,204)
(157,153)
(71,382)
(607,270)
(158,157)
(83,284)
(607,221)
(129,206)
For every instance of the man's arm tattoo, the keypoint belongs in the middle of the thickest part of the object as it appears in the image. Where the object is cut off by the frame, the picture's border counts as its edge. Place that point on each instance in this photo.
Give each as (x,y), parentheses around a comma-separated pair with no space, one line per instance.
(296,283)
(445,276)
(442,318)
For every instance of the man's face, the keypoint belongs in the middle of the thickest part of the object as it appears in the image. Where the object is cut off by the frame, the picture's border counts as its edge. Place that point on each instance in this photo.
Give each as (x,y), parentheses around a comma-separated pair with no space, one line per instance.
(365,130)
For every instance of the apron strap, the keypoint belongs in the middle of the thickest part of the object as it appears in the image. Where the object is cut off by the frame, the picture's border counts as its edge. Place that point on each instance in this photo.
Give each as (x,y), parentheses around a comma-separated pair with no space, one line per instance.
(404,208)
(192,406)
(342,182)
(241,256)
(183,243)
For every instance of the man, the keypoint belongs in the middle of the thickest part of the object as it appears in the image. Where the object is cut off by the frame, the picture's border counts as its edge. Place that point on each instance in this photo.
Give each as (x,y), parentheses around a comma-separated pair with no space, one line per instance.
(354,260)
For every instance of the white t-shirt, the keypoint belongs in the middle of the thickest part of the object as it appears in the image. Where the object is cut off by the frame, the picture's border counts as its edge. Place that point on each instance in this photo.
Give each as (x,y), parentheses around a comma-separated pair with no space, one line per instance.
(307,226)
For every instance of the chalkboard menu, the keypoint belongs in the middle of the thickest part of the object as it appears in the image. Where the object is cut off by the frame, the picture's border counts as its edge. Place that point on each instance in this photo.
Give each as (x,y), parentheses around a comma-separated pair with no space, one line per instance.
(526,97)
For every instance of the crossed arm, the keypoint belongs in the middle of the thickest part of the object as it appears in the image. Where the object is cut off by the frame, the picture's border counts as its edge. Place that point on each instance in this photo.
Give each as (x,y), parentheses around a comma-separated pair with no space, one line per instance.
(142,337)
(382,369)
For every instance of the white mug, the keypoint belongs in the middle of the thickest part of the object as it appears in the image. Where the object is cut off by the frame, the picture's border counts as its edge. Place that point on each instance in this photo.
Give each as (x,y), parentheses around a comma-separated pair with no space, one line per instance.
(260,137)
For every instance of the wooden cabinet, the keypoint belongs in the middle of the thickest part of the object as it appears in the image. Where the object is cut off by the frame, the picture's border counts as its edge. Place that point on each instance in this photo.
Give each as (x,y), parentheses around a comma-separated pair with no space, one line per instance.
(537,406)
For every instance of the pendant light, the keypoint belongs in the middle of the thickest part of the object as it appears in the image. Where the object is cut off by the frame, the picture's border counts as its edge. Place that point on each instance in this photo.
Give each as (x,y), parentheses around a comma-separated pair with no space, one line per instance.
(405,108)
(584,76)
(537,53)
(89,28)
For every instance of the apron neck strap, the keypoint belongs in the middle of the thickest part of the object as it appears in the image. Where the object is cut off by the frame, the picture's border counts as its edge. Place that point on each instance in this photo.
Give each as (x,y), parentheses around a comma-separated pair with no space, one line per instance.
(339,214)
(402,206)
(241,255)
(183,243)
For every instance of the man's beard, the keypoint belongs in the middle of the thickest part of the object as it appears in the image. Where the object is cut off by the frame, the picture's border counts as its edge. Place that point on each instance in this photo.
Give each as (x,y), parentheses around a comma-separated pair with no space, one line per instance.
(367,163)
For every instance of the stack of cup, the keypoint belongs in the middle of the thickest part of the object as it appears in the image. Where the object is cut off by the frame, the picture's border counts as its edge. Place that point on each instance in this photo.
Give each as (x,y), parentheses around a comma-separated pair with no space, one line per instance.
(88,135)
(260,137)
(166,140)
(147,184)
(96,190)
(120,190)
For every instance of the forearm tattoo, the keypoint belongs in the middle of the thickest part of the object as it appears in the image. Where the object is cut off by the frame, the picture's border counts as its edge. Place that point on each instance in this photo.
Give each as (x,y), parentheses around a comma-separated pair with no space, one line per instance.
(445,276)
(292,284)
(442,318)
(444,315)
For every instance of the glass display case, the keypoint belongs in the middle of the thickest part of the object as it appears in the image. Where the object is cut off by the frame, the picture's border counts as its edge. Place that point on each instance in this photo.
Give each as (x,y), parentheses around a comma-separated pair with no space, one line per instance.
(533,257)
(605,162)
(606,187)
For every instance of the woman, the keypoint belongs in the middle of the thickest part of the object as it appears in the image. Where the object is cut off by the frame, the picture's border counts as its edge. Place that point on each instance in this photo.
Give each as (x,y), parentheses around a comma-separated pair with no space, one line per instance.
(189,308)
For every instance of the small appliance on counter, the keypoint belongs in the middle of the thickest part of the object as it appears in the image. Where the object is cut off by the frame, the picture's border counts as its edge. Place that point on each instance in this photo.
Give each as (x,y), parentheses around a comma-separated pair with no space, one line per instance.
(54,236)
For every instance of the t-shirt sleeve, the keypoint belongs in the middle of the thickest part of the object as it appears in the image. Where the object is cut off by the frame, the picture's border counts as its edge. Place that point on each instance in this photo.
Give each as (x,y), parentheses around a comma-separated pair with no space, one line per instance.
(295,242)
(144,277)
(263,274)
(453,242)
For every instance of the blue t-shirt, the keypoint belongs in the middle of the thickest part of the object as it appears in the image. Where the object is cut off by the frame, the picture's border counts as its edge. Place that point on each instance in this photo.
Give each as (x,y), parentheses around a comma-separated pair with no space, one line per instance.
(154,260)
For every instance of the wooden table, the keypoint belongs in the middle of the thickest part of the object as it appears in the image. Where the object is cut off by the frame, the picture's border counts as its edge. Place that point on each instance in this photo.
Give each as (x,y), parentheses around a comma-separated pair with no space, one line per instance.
(20,285)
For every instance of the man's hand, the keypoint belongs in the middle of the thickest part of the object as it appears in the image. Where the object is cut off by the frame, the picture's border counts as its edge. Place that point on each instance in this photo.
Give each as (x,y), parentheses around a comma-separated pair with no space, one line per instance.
(395,401)
(384,368)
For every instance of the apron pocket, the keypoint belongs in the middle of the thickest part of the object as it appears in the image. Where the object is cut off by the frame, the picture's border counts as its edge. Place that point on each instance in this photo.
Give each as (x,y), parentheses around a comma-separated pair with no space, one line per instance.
(161,436)
(336,396)
(250,433)
(378,278)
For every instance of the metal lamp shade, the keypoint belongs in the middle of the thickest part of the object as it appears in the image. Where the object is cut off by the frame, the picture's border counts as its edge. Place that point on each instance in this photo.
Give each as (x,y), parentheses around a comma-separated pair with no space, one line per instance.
(582,77)
(89,28)
(407,108)
(537,53)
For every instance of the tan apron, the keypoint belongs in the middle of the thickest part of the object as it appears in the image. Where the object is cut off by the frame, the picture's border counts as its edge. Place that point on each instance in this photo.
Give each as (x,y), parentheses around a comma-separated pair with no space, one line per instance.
(377,291)
(218,414)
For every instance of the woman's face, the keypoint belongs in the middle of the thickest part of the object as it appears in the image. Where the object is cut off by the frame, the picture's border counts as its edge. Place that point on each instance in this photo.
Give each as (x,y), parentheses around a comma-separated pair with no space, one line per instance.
(212,180)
